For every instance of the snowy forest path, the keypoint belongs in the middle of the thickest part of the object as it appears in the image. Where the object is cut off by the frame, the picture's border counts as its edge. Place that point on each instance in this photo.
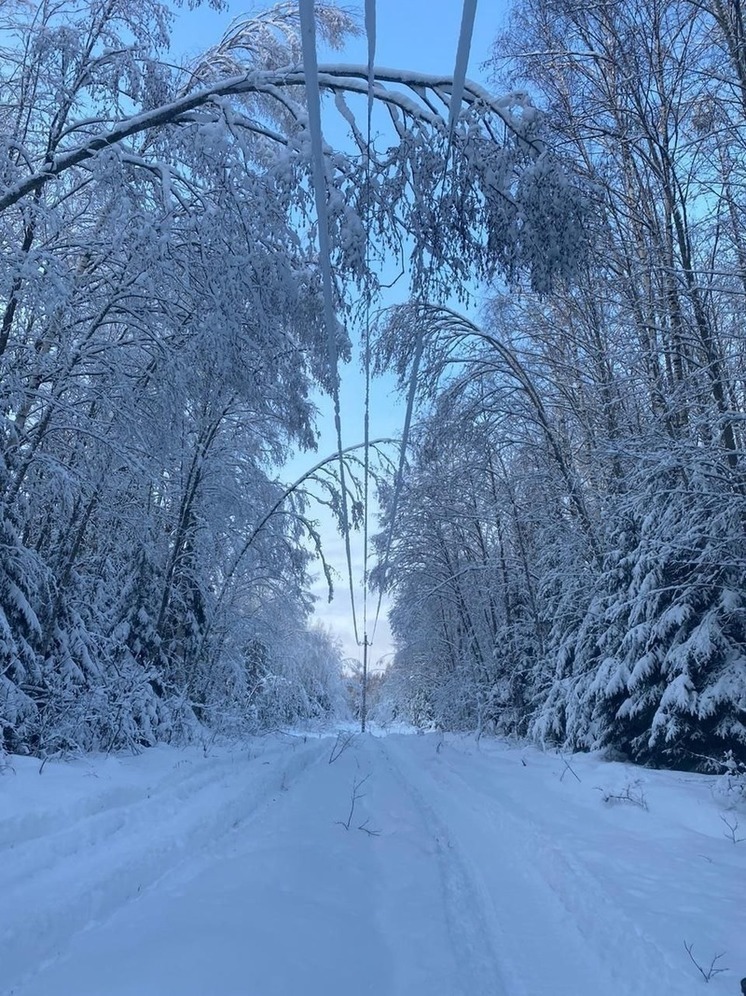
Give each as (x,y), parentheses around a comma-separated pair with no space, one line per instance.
(402,866)
(309,893)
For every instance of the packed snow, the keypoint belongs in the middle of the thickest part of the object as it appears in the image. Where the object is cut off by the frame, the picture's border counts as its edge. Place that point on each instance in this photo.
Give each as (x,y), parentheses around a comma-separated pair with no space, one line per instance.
(468,868)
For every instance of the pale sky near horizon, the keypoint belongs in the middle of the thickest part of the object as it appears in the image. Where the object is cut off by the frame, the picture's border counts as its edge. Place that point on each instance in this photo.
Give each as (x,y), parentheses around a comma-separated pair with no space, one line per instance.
(411,34)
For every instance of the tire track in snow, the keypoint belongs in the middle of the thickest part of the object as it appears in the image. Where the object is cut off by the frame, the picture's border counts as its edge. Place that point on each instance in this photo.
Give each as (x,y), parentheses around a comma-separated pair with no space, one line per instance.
(39,842)
(560,930)
(538,950)
(471,931)
(103,862)
(287,905)
(608,933)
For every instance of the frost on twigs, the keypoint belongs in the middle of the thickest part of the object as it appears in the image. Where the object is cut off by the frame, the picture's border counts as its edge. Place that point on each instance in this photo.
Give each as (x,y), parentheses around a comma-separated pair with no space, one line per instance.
(483,199)
(162,335)
(269,40)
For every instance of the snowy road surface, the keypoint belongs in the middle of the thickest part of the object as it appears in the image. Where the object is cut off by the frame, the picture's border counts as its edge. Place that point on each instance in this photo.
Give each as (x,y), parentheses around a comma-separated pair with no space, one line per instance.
(488,870)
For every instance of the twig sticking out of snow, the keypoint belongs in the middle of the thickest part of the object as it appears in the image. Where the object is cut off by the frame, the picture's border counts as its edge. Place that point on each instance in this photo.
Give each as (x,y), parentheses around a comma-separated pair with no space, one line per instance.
(340,745)
(570,769)
(712,971)
(732,830)
(357,784)
(630,793)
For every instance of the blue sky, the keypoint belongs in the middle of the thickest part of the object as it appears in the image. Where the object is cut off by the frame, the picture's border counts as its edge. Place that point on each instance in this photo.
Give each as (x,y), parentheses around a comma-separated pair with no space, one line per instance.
(412,34)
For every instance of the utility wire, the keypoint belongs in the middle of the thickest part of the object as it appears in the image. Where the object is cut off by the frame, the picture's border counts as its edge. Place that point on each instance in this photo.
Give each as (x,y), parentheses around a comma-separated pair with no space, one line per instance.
(313,98)
(370,33)
(313,93)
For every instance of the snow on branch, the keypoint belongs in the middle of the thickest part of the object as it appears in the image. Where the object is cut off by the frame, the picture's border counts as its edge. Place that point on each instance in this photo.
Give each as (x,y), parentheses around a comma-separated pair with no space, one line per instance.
(409,97)
(461,175)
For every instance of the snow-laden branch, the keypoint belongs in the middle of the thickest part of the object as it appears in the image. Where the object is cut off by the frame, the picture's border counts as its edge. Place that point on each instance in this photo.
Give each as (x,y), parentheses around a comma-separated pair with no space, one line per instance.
(407,97)
(448,338)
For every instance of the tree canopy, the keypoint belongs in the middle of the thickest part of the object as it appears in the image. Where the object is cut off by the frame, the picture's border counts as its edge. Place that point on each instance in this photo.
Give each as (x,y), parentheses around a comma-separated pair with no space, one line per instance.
(163,329)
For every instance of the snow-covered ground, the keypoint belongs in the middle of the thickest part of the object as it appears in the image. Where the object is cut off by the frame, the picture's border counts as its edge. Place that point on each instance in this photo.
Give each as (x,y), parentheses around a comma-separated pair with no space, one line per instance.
(480,870)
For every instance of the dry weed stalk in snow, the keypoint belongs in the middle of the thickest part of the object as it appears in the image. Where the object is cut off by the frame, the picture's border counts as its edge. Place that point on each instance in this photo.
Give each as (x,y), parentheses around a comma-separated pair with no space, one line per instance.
(355,796)
(713,970)
(732,829)
(340,745)
(632,792)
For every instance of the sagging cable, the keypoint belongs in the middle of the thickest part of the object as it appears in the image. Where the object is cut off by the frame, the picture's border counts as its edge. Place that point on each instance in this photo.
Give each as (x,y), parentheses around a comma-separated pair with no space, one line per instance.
(313,98)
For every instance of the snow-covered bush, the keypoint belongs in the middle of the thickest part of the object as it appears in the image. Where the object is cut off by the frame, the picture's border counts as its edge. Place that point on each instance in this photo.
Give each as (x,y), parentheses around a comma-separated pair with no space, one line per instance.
(730,788)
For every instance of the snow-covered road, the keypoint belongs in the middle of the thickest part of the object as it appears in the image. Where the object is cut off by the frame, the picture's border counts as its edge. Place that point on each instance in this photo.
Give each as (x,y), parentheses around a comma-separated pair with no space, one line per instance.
(480,869)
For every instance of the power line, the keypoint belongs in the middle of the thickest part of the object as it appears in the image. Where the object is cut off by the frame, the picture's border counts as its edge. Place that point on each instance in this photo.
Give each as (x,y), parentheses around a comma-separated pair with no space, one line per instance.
(370,32)
(308,38)
(313,98)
